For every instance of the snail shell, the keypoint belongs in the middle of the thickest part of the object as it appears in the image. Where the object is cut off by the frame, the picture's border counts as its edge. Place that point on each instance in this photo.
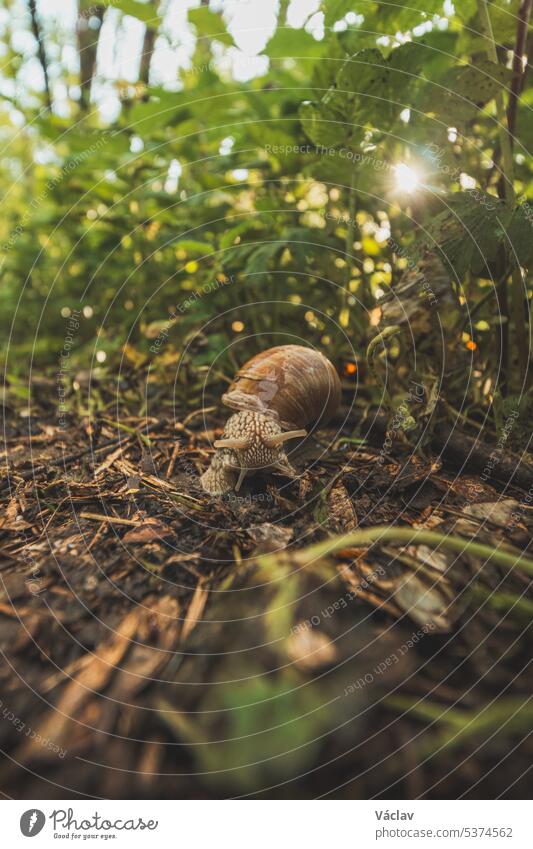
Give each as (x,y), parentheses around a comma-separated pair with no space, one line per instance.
(292,384)
(288,386)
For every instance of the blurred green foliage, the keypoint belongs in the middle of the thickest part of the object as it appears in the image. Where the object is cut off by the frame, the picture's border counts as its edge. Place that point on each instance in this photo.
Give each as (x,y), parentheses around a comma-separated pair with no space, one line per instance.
(274,202)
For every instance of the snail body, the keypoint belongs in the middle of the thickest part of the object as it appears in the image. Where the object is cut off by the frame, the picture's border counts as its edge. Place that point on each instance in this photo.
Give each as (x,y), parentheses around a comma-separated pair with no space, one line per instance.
(277,395)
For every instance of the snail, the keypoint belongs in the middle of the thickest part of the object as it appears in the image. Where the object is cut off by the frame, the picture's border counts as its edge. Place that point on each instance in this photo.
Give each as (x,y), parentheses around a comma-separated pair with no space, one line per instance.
(277,395)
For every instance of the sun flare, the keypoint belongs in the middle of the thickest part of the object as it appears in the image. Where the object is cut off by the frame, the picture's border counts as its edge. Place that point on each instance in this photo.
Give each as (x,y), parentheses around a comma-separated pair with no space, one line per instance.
(406,178)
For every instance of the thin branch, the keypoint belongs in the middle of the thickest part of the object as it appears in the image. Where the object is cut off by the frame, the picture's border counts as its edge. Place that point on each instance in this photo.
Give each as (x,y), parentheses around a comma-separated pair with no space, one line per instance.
(380,340)
(505,142)
(519,71)
(41,52)
(147,54)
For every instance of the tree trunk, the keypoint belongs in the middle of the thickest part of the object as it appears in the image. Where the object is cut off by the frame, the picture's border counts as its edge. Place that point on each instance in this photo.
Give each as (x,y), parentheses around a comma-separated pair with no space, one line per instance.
(148,52)
(87,49)
(150,36)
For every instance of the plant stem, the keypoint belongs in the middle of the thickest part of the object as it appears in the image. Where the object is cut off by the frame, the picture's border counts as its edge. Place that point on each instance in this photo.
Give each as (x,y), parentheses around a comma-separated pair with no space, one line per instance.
(519,70)
(517,287)
(350,233)
(410,536)
(127,429)
(348,254)
(385,334)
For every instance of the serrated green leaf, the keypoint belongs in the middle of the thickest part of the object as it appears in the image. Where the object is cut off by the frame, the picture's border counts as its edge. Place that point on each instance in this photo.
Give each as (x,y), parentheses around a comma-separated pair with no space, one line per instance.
(478,83)
(322,125)
(365,73)
(468,233)
(408,58)
(377,88)
(519,235)
(465,89)
(422,284)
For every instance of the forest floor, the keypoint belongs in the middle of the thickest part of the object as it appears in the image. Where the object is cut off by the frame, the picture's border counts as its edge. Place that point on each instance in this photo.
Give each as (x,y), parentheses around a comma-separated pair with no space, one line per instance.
(158,642)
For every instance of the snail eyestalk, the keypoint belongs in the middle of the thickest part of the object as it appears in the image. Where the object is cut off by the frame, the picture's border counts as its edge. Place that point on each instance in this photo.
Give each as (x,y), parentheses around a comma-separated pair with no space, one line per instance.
(236,444)
(272,441)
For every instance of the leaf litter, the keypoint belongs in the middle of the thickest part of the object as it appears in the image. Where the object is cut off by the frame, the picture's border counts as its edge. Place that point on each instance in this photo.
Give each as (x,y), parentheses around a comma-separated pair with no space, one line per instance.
(130,600)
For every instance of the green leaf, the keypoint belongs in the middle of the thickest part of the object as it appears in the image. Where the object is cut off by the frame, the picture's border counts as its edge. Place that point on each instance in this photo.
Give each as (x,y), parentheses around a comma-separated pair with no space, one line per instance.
(210,25)
(193,246)
(354,39)
(234,258)
(405,64)
(260,259)
(231,234)
(396,15)
(366,73)
(465,89)
(144,12)
(322,125)
(507,716)
(376,87)
(439,46)
(335,10)
(325,71)
(478,82)
(407,58)
(503,17)
(160,110)
(519,235)
(368,89)
(469,232)
(288,43)
(422,285)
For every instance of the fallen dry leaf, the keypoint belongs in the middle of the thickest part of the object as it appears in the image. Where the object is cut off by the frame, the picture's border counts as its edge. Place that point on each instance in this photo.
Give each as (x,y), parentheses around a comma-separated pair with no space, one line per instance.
(426,605)
(269,537)
(311,649)
(341,510)
(150,530)
(196,608)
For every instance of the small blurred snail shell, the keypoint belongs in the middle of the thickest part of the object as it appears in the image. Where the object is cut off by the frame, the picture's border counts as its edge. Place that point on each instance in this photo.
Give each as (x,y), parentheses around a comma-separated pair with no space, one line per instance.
(280,394)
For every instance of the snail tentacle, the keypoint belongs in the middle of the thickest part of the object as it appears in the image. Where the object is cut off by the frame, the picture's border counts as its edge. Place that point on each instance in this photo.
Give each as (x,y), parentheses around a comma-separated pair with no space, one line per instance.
(280,438)
(237,444)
